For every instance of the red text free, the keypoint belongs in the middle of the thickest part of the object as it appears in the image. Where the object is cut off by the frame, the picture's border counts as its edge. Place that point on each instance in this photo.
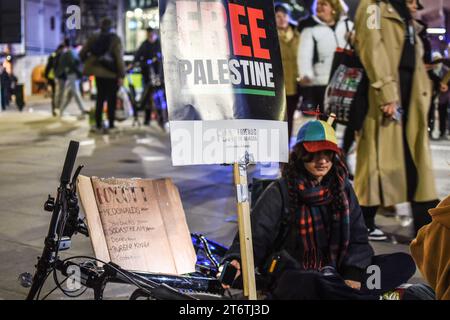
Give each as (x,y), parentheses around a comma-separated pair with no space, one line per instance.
(202,27)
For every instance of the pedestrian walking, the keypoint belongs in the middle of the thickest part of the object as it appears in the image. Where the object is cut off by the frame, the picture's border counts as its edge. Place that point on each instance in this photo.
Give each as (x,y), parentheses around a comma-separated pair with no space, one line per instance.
(5,87)
(289,39)
(393,155)
(102,56)
(148,56)
(440,99)
(70,63)
(322,33)
(50,75)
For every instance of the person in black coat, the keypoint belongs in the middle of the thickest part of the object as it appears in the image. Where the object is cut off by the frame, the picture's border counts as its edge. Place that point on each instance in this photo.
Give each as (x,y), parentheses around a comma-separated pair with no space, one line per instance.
(149,58)
(5,87)
(308,231)
(49,74)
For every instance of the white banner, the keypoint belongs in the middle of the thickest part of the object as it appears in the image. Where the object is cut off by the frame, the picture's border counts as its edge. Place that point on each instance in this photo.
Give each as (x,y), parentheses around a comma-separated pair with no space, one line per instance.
(227,141)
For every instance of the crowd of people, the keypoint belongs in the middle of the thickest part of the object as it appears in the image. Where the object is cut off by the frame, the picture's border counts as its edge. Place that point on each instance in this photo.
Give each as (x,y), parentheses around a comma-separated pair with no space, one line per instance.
(314,221)
(400,104)
(102,57)
(311,228)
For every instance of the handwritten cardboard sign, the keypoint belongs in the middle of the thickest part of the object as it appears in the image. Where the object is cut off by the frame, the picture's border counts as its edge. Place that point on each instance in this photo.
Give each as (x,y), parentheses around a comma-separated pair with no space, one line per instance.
(138,224)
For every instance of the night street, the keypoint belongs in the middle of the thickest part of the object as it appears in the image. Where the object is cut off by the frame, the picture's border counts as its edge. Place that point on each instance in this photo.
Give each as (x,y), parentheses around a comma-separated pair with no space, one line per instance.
(33,146)
(231,150)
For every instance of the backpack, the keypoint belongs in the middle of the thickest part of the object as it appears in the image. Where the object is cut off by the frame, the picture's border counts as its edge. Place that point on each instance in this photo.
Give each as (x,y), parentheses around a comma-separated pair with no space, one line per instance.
(70,63)
(265,277)
(101,49)
(58,67)
(257,188)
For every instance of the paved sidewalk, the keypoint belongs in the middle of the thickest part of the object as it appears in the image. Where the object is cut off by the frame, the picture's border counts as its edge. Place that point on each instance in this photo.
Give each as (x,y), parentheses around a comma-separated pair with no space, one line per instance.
(33,147)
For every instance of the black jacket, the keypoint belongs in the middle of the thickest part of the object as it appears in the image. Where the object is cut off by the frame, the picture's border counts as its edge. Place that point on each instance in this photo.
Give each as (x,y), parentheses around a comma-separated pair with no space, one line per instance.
(148,51)
(268,215)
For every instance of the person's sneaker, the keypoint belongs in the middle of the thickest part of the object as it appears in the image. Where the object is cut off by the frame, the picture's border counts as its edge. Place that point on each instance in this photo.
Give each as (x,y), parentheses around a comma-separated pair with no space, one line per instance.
(391,295)
(443,137)
(167,127)
(376,235)
(389,211)
(405,221)
(113,130)
(95,130)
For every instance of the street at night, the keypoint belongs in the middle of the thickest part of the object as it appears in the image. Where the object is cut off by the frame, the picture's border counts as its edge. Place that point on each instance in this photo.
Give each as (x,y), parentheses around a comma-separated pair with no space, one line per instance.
(33,149)
(231,150)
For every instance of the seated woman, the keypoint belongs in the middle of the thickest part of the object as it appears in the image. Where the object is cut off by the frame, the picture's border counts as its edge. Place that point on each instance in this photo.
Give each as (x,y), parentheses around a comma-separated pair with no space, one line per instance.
(311,224)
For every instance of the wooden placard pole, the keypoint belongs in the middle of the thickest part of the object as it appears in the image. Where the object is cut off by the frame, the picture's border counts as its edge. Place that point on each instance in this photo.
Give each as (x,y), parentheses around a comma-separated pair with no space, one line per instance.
(245,229)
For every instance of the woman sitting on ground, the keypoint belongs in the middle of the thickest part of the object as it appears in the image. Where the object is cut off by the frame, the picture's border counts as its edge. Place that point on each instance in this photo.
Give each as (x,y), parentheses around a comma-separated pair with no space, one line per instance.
(320,241)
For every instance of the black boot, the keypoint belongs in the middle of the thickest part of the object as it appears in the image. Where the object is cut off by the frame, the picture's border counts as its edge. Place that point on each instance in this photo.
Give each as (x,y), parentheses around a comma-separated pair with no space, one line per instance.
(420,213)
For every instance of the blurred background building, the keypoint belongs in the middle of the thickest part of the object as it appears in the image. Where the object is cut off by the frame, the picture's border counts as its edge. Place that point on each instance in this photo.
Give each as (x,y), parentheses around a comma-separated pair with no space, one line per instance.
(31,29)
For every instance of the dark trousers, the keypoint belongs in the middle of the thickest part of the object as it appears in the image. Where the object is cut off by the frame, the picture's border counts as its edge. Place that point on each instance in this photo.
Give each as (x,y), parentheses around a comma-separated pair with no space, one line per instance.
(443,115)
(52,85)
(313,98)
(147,103)
(106,91)
(291,104)
(4,97)
(349,138)
(395,269)
(153,99)
(419,213)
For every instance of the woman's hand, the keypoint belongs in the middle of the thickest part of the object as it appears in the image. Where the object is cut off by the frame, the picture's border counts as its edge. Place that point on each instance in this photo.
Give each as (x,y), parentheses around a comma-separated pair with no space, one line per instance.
(350,37)
(305,81)
(353,284)
(235,264)
(389,109)
(429,67)
(444,87)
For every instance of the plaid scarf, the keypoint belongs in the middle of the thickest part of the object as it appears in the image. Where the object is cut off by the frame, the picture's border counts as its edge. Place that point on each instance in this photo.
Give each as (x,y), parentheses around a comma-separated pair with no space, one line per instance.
(314,237)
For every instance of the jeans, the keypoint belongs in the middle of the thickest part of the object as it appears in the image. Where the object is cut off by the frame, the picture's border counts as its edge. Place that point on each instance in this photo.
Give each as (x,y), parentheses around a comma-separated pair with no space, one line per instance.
(72,89)
(52,84)
(106,91)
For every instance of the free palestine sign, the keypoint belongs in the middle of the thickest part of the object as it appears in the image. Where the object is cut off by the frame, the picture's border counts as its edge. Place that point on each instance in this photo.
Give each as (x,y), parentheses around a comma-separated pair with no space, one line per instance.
(224,81)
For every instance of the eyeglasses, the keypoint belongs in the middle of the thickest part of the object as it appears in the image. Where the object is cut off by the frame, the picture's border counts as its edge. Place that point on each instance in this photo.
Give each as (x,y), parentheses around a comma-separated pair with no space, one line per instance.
(327,154)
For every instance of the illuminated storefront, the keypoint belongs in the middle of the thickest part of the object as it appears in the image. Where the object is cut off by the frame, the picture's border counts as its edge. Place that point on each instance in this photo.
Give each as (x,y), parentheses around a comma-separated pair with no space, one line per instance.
(140,14)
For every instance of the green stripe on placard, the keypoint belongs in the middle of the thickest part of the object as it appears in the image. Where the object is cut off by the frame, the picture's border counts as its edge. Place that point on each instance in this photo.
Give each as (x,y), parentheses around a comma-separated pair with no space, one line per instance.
(230,91)
(255,92)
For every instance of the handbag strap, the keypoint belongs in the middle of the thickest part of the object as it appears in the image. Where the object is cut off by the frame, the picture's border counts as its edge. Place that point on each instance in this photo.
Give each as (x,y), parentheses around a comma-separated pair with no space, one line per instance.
(286,220)
(316,50)
(349,32)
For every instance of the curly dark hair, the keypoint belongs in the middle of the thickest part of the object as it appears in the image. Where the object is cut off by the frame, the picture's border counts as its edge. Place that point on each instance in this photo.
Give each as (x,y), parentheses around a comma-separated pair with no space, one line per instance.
(295,170)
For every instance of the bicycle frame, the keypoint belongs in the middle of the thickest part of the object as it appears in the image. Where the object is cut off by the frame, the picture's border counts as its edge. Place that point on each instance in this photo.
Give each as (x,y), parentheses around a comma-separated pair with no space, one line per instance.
(65,222)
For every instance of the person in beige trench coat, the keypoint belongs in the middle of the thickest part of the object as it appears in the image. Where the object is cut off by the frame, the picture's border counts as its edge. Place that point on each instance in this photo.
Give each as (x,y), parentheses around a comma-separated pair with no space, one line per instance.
(289,39)
(393,155)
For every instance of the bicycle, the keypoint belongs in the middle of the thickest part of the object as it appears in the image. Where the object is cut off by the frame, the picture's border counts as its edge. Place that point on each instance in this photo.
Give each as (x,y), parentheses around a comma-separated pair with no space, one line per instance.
(153,97)
(65,222)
